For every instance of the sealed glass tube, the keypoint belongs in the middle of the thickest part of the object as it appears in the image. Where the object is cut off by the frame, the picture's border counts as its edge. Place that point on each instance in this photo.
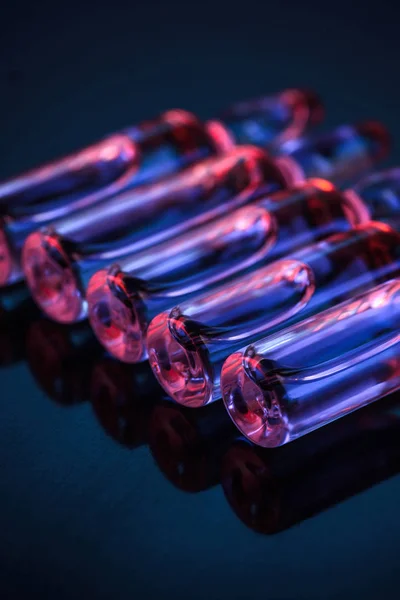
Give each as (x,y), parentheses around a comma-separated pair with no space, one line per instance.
(138,155)
(122,397)
(271,490)
(59,261)
(337,155)
(81,244)
(165,146)
(123,298)
(317,371)
(20,221)
(188,344)
(157,148)
(125,224)
(270,121)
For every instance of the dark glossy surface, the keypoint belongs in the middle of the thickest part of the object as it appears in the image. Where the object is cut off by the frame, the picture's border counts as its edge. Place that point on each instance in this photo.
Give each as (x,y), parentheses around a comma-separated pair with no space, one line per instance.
(82,516)
(118,477)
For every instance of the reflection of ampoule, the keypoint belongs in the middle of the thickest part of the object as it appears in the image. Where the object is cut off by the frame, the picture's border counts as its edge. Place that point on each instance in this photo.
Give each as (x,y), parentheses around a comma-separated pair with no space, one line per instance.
(176,140)
(188,345)
(61,360)
(161,146)
(122,397)
(17,311)
(123,298)
(273,489)
(188,445)
(315,372)
(58,263)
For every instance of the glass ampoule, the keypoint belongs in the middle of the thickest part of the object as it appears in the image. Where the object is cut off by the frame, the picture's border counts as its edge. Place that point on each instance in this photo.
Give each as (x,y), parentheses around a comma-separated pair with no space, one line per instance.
(123,160)
(100,215)
(123,298)
(272,489)
(319,370)
(126,223)
(158,147)
(164,146)
(188,344)
(59,261)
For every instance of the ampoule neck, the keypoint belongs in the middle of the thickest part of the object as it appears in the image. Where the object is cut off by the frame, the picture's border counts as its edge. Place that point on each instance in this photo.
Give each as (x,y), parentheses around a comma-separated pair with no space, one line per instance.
(385,228)
(270,121)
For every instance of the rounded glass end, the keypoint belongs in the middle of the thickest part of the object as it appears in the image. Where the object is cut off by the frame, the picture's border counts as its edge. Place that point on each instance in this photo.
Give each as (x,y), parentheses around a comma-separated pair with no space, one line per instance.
(115,315)
(254,408)
(179,360)
(51,278)
(6,261)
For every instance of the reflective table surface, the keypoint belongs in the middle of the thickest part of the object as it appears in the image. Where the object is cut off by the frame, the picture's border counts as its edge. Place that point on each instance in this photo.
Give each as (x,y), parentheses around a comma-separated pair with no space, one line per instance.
(107,485)
(106,489)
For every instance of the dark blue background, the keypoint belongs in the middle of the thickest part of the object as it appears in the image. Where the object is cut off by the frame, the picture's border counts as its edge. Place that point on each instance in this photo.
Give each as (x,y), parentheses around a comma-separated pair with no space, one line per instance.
(81,516)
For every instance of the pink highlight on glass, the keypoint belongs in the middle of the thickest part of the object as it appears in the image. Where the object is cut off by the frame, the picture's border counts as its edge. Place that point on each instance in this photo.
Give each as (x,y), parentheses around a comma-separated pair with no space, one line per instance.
(223,140)
(110,162)
(233,178)
(179,351)
(179,361)
(51,279)
(260,420)
(325,367)
(114,315)
(306,108)
(274,119)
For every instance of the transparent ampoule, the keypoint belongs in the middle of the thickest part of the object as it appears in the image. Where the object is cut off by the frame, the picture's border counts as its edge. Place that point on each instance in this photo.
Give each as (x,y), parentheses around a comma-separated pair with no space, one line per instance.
(124,298)
(59,261)
(119,166)
(228,245)
(126,223)
(188,344)
(319,370)
(272,489)
(123,160)
(158,147)
(76,246)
